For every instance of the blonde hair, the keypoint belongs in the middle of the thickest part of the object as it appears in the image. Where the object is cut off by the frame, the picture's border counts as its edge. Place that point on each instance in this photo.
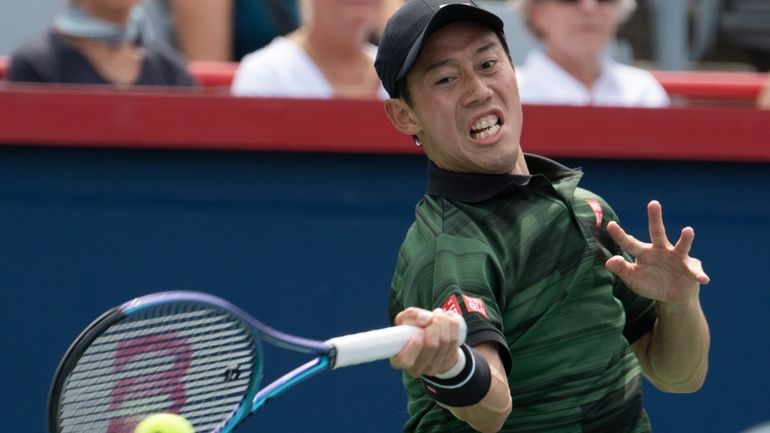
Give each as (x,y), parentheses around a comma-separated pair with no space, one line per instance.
(625,9)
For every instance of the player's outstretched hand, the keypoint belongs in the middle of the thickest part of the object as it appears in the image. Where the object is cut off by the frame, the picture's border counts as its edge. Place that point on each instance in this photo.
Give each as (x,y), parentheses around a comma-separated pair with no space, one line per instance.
(661,271)
(433,348)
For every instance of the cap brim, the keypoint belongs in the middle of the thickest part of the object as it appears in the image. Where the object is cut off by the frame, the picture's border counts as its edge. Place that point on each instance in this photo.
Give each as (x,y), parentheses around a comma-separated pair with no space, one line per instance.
(447,14)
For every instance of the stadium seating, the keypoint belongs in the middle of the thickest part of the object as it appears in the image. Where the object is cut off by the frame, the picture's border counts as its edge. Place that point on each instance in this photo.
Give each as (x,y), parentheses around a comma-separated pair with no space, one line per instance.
(693,88)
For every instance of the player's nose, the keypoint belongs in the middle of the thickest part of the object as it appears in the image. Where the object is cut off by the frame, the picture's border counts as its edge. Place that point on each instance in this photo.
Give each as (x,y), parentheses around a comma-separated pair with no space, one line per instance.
(475,89)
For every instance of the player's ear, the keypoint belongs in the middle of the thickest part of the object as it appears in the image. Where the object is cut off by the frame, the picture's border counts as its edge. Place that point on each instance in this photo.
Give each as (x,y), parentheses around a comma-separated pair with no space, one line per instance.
(402,116)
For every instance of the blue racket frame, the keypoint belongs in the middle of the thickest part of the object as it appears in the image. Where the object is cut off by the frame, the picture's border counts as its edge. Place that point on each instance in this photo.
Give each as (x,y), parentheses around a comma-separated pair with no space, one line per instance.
(255,398)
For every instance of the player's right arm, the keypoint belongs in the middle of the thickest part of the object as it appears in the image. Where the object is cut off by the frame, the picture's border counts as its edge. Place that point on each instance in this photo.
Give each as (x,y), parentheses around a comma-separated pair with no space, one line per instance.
(490,413)
(434,351)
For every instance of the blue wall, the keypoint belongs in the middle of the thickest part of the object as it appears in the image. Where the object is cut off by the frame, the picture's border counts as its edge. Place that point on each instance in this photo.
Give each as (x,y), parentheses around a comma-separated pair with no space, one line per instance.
(307,243)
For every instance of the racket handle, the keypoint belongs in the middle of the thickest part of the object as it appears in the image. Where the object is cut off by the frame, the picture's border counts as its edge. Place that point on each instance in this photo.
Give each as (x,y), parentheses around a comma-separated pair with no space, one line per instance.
(379,344)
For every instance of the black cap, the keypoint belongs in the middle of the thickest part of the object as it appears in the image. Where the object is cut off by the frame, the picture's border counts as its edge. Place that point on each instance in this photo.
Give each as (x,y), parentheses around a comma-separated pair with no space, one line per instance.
(406,31)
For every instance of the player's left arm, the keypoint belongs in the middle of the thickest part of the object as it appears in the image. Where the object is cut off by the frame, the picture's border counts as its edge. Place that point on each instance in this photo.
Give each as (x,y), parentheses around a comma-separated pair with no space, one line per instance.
(674,354)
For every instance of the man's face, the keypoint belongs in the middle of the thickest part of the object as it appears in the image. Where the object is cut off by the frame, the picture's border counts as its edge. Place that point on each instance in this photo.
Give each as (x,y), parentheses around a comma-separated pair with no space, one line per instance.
(465,102)
(112,10)
(577,29)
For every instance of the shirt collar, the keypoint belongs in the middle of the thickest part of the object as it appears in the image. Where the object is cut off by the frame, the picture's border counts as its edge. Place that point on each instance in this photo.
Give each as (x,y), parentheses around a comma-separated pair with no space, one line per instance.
(475,187)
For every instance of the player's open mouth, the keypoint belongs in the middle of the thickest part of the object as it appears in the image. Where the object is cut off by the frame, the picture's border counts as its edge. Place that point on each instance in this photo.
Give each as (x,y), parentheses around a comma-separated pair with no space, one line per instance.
(485,127)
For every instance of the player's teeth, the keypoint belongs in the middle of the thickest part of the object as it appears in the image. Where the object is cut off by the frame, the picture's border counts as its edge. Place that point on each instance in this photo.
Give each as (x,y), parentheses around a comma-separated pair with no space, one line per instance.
(485,123)
(486,132)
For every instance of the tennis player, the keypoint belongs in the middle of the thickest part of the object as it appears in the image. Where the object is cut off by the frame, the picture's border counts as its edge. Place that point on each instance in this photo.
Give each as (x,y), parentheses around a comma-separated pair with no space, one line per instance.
(565,311)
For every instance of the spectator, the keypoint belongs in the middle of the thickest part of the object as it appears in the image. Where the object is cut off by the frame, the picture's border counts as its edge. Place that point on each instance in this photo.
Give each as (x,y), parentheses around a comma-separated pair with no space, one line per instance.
(221,30)
(327,56)
(98,42)
(764,97)
(389,7)
(572,68)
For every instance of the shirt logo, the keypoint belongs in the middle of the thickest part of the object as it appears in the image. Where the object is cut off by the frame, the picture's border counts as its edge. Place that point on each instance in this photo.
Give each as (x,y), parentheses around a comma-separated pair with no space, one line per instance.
(451,304)
(475,305)
(597,208)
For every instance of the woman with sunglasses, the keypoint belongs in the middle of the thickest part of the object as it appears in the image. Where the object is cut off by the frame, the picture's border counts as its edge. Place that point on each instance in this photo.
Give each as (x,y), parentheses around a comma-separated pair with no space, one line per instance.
(572,68)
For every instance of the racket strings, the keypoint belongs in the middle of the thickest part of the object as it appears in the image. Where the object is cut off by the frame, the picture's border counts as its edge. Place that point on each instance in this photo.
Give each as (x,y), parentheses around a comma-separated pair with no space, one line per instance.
(96,371)
(140,377)
(213,385)
(189,359)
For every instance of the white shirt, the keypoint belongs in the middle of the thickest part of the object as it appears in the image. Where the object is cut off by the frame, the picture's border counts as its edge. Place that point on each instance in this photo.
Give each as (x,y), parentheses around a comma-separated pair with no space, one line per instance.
(282,69)
(542,81)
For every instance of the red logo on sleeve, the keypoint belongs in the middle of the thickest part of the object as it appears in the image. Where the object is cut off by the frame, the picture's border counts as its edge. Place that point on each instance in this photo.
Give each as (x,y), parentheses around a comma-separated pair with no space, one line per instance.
(451,304)
(597,208)
(475,305)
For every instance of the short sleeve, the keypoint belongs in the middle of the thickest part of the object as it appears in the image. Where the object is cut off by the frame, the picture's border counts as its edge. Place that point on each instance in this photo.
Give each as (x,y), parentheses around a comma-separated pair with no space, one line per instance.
(457,274)
(255,76)
(640,312)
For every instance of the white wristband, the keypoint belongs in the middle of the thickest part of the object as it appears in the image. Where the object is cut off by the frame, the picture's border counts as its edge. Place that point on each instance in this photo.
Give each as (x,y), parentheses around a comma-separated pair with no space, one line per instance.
(456,369)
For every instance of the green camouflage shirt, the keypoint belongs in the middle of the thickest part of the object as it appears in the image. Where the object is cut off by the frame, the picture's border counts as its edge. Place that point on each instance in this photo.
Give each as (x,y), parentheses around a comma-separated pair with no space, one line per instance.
(522,258)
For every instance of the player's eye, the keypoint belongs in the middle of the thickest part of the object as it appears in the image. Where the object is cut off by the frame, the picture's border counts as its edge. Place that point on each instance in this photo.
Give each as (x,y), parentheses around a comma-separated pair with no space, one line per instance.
(444,80)
(489,64)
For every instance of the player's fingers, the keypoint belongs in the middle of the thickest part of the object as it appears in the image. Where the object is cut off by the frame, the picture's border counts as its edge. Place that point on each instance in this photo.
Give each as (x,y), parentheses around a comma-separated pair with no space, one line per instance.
(684,244)
(446,340)
(432,349)
(440,343)
(696,267)
(655,224)
(626,242)
(414,316)
(454,320)
(619,266)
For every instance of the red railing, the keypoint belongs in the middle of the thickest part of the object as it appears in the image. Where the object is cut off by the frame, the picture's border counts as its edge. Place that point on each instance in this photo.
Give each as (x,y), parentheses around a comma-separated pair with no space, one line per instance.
(38,115)
(719,87)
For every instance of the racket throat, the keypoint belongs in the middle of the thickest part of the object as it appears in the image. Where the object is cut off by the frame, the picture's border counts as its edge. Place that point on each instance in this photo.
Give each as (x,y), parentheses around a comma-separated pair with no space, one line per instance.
(288,380)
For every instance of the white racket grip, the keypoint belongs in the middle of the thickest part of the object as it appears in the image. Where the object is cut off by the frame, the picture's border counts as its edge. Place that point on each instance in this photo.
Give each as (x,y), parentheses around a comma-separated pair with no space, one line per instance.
(379,344)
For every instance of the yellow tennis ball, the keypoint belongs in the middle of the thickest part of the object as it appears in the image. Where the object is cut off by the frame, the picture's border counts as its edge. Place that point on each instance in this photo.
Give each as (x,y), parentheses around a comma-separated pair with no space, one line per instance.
(164,423)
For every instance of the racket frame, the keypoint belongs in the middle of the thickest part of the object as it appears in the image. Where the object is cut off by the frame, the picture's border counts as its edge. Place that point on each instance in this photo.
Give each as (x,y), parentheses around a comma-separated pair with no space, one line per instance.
(253,399)
(354,349)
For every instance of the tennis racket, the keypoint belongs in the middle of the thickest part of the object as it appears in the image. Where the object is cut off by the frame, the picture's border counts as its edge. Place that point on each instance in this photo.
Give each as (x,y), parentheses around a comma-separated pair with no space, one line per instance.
(193,354)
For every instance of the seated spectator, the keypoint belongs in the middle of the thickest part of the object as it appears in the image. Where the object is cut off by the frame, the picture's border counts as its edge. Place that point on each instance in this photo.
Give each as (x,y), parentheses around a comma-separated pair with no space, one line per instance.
(764,97)
(98,42)
(221,30)
(388,8)
(328,56)
(572,68)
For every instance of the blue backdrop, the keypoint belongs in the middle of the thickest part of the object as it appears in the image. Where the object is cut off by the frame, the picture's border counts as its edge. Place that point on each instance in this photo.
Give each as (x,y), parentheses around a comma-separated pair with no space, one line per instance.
(307,243)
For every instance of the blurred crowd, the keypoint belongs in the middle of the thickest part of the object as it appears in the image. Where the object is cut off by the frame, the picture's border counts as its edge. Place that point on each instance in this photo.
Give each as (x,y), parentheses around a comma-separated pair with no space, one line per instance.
(319,48)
